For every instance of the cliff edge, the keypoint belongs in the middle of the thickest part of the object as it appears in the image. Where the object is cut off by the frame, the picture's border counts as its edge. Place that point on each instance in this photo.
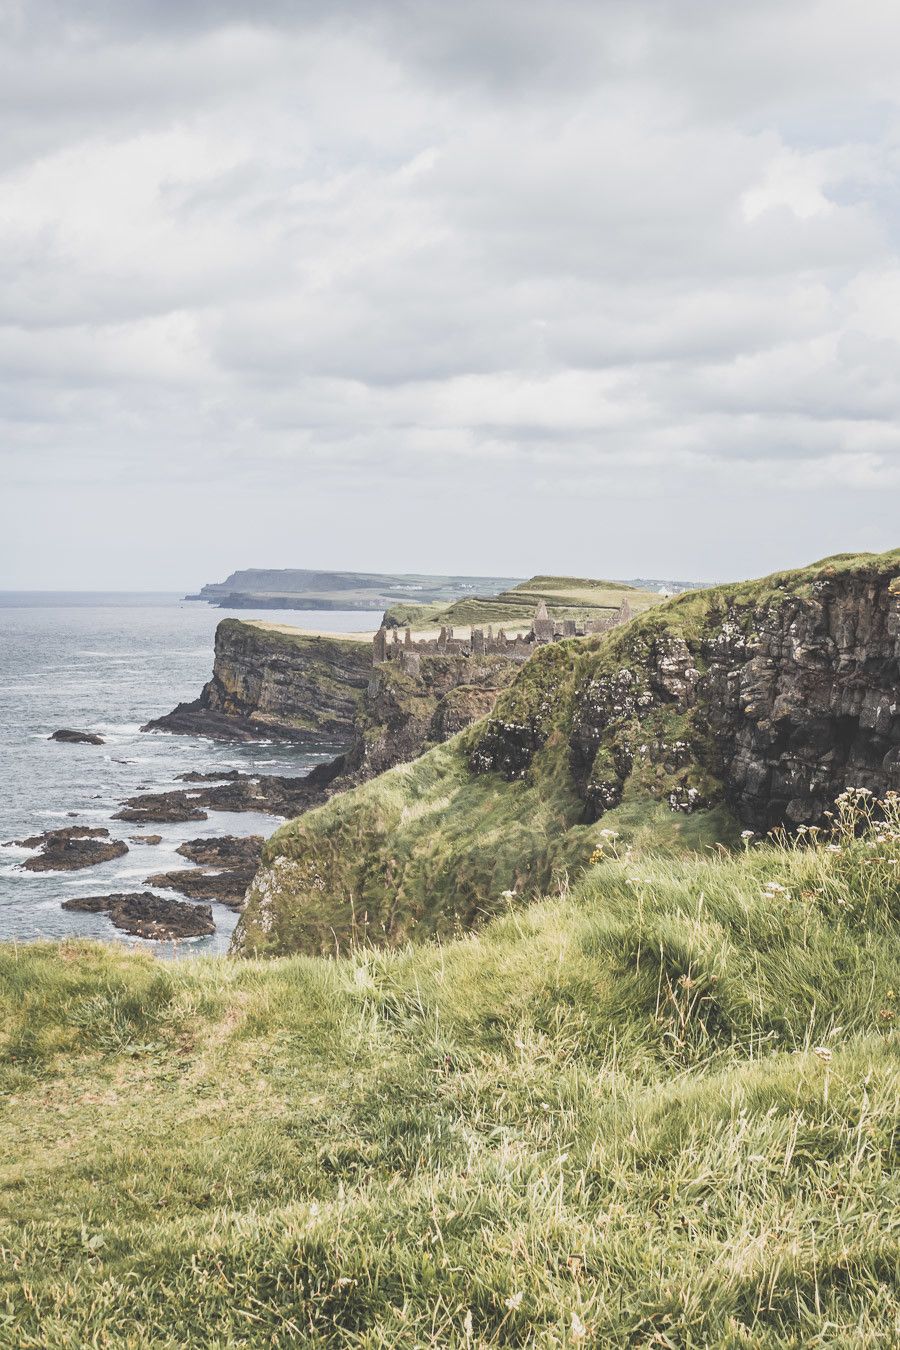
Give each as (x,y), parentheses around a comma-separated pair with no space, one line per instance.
(743,705)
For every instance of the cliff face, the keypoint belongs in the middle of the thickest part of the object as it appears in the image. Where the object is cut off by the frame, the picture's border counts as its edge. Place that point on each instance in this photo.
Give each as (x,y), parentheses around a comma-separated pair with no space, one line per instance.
(314,688)
(746,705)
(772,696)
(267,683)
(402,714)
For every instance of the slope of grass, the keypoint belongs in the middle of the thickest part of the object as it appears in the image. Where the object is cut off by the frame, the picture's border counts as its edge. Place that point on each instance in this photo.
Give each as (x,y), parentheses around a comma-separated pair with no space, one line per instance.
(656,1109)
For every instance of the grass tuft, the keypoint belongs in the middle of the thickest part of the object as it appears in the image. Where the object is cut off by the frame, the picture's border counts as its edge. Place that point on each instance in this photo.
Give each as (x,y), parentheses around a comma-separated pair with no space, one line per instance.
(658,1107)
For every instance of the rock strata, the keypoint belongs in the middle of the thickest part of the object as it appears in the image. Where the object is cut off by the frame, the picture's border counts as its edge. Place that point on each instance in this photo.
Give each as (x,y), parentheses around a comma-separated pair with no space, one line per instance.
(267,684)
(146,915)
(773,696)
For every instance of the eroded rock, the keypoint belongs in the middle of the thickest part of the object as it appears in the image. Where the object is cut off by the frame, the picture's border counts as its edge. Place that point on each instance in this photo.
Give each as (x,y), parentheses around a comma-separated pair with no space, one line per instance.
(72,848)
(146,915)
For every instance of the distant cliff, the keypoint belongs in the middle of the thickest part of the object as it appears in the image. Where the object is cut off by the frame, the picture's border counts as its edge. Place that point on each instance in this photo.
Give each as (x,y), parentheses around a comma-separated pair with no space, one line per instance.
(265,683)
(300,588)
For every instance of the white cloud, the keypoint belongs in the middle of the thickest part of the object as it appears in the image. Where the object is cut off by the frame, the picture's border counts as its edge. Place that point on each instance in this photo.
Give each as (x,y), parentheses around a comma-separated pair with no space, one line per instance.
(494,254)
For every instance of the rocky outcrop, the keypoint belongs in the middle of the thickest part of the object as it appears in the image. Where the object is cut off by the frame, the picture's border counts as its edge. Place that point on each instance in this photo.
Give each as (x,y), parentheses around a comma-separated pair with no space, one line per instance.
(769,698)
(275,794)
(403,712)
(773,696)
(227,866)
(72,848)
(145,915)
(226,851)
(160,808)
(267,683)
(69,737)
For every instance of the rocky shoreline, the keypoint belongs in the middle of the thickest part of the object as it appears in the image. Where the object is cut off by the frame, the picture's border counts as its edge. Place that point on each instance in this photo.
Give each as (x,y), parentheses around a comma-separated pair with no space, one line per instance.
(268,685)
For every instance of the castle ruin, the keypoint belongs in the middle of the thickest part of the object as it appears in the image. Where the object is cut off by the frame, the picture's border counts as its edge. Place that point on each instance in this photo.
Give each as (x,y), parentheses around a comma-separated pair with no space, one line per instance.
(387,644)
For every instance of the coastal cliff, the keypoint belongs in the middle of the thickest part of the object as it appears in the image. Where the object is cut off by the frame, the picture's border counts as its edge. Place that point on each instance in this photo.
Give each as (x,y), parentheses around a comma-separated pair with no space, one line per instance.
(269,682)
(772,697)
(748,705)
(266,683)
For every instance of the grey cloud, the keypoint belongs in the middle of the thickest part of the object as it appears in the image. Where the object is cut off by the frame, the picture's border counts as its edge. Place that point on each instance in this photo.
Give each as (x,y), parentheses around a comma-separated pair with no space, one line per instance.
(471,257)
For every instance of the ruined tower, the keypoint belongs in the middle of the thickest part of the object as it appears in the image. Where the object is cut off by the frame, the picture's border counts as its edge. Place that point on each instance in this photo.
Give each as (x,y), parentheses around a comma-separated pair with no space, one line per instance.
(379,647)
(543,624)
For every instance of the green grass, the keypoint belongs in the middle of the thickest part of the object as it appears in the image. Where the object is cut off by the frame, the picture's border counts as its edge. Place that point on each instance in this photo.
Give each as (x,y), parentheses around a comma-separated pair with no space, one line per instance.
(566,598)
(657,1108)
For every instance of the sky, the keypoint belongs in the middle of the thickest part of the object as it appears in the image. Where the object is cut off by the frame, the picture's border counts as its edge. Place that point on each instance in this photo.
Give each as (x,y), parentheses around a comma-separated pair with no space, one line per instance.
(496,286)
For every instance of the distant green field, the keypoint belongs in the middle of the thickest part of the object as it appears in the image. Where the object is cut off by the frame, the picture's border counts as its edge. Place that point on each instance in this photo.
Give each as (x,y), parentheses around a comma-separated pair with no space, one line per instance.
(566,598)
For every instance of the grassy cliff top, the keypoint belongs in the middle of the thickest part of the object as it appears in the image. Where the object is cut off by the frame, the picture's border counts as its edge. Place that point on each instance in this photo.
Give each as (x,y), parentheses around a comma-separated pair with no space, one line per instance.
(656,1108)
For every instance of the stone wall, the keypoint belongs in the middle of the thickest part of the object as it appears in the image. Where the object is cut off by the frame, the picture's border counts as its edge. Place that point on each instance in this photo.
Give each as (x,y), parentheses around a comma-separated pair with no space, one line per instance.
(387,645)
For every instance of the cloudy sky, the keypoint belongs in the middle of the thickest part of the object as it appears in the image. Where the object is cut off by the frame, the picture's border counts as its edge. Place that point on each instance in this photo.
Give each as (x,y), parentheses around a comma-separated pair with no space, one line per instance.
(499,285)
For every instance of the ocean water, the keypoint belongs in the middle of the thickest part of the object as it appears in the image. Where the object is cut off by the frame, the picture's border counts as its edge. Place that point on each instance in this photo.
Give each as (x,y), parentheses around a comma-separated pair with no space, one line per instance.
(108,663)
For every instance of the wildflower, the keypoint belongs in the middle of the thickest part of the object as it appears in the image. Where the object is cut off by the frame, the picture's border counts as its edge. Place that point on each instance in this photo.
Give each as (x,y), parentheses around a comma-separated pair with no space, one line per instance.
(467,1325)
(514,1302)
(579,1330)
(886,1015)
(823,1053)
(747,834)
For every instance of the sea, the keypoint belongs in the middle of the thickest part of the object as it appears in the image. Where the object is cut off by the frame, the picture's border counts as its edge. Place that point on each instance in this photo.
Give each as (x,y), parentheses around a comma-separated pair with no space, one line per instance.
(108,663)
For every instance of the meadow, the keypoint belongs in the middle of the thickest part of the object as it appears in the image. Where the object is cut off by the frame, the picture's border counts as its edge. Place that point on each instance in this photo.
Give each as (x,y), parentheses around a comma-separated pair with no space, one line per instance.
(657,1107)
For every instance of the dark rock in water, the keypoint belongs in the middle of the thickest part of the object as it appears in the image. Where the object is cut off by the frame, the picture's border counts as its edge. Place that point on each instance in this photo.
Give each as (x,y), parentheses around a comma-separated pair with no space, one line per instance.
(70,849)
(67,832)
(224,776)
(145,838)
(228,866)
(193,719)
(160,808)
(268,793)
(70,737)
(228,851)
(200,883)
(146,915)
